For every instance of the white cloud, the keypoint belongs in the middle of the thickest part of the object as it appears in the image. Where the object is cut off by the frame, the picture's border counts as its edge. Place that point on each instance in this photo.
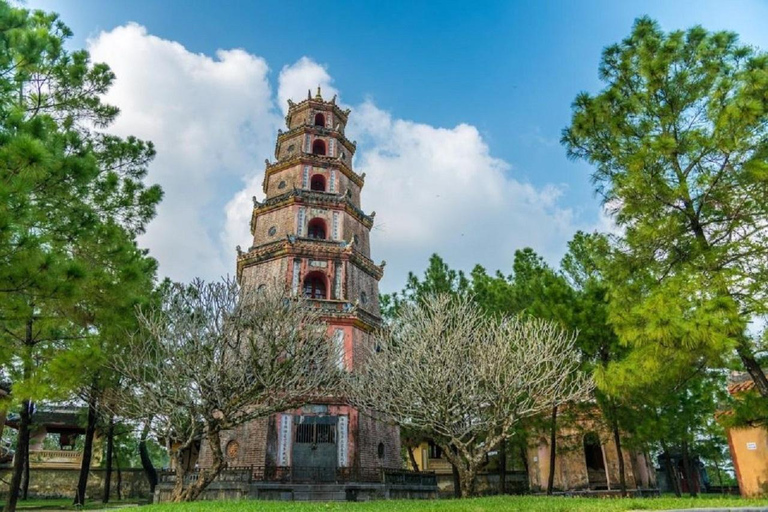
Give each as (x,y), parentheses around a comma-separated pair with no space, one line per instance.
(440,190)
(215,120)
(210,119)
(305,75)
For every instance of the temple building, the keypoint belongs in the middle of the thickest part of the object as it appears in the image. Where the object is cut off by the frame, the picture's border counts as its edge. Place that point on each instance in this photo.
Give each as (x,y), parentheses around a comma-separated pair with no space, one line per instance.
(586,460)
(52,440)
(311,236)
(748,444)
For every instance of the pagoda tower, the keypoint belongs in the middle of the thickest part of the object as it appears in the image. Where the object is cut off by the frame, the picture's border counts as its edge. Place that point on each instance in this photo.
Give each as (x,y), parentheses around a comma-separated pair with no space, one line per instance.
(311,235)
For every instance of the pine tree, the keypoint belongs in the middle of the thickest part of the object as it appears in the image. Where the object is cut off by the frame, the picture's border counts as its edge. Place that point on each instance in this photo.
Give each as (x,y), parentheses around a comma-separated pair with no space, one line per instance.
(679,141)
(72,201)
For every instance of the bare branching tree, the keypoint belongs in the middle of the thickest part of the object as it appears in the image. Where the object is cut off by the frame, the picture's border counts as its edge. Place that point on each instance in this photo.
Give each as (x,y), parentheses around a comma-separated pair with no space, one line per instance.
(212,356)
(464,378)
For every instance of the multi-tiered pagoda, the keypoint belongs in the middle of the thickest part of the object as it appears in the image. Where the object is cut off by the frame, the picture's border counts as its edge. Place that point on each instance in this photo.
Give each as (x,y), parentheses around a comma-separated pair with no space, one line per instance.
(311,234)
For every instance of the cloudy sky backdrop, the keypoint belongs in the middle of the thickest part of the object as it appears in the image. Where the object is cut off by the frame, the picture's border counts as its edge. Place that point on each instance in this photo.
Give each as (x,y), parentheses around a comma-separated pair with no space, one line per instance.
(457,115)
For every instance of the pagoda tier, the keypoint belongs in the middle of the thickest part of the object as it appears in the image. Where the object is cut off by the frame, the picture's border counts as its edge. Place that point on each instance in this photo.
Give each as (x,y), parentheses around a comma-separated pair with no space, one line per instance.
(318,161)
(311,198)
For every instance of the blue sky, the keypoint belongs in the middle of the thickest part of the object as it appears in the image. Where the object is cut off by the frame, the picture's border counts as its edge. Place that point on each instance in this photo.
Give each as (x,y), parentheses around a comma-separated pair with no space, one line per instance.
(509,70)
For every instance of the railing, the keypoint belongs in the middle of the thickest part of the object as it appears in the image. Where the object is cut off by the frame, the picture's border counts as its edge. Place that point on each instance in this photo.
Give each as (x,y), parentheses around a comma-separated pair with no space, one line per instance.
(56,457)
(299,474)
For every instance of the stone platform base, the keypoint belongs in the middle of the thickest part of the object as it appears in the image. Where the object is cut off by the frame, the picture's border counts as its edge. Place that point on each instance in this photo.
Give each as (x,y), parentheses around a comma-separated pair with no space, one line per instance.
(350,491)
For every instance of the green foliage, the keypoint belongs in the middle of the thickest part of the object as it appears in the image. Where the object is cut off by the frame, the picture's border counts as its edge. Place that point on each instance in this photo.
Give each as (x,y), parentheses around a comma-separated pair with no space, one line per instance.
(438,278)
(679,141)
(126,449)
(533,289)
(72,200)
(748,408)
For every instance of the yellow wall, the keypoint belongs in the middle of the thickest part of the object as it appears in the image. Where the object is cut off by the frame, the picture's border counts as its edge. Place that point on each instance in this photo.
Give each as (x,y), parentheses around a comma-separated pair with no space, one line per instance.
(749,450)
(421,454)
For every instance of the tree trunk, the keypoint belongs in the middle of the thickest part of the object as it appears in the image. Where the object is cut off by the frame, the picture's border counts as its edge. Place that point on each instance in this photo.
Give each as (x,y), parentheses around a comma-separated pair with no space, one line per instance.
(503,467)
(524,458)
(22,447)
(181,473)
(412,458)
(146,461)
(468,481)
(753,368)
(25,475)
(110,448)
(671,471)
(119,477)
(552,452)
(90,432)
(689,476)
(206,476)
(719,476)
(456,481)
(619,454)
(454,460)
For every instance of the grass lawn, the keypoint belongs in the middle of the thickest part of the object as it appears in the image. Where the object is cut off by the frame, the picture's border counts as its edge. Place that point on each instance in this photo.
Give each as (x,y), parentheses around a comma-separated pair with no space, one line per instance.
(492,504)
(66,504)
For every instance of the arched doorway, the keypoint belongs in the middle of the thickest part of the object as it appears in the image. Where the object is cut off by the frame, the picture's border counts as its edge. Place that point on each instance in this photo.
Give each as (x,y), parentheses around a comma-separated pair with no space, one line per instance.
(319,120)
(316,229)
(314,286)
(318,147)
(593,456)
(317,183)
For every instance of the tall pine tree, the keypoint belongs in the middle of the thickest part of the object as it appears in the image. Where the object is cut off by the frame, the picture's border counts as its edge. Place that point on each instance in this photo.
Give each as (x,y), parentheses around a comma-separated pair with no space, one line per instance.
(72,200)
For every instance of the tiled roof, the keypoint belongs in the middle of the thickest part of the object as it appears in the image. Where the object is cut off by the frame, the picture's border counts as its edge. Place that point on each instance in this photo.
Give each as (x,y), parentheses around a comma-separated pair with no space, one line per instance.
(740,387)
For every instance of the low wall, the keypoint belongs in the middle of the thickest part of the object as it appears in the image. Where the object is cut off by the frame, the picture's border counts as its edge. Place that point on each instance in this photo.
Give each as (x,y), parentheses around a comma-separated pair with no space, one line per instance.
(351,491)
(486,483)
(296,484)
(61,483)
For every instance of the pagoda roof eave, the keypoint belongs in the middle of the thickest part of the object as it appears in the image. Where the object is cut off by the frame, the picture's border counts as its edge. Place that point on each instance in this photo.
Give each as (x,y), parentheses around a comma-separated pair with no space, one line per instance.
(295,108)
(312,198)
(315,160)
(350,145)
(308,247)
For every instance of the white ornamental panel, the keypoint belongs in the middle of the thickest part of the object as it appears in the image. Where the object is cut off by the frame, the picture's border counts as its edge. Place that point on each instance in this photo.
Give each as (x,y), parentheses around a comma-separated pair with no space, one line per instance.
(332,186)
(300,227)
(295,278)
(343,440)
(305,177)
(337,281)
(338,346)
(285,436)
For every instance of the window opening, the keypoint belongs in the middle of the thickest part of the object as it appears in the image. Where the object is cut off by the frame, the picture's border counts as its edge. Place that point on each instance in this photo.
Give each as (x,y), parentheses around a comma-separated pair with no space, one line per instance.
(316,229)
(318,183)
(314,286)
(318,147)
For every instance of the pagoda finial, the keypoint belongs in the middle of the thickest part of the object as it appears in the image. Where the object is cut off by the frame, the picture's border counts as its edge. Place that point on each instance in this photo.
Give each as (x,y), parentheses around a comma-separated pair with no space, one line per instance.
(309,94)
(333,100)
(318,97)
